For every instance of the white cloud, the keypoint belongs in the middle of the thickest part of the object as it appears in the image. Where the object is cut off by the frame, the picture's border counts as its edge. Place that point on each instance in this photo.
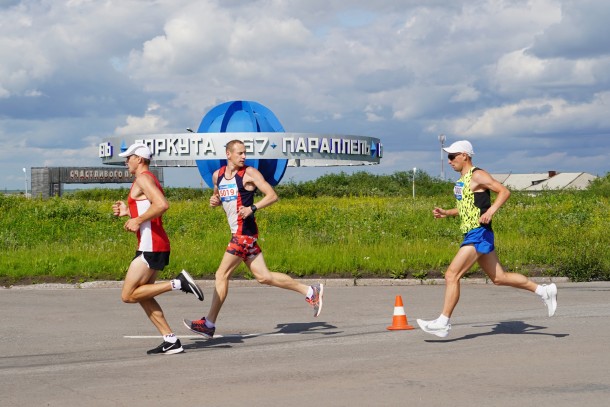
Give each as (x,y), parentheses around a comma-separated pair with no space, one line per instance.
(537,70)
(536,116)
(522,73)
(372,113)
(465,93)
(150,123)
(582,32)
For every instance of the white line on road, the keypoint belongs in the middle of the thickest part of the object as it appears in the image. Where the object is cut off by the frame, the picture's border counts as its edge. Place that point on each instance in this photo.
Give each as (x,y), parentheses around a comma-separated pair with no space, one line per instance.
(215,336)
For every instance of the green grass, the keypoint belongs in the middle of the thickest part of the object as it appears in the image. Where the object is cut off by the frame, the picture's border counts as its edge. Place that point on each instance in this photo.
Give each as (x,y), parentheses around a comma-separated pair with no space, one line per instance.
(77,239)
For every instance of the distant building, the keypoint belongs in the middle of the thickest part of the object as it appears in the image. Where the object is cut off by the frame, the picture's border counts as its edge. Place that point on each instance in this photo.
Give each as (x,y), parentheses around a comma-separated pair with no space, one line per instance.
(546,181)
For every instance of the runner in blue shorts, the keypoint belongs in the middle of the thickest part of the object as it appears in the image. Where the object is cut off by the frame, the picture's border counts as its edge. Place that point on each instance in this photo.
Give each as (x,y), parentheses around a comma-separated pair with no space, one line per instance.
(475,209)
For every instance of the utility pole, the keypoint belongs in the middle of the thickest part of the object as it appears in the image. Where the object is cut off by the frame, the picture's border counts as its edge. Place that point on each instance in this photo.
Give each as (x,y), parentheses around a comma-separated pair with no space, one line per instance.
(25,175)
(414,169)
(441,139)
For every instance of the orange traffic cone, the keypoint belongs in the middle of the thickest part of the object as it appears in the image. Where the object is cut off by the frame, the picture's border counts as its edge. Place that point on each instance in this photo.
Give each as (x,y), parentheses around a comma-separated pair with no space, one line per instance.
(399,320)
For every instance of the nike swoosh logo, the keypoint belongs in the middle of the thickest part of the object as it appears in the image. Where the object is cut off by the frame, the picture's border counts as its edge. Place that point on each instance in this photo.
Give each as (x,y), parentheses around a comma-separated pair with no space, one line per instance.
(166,349)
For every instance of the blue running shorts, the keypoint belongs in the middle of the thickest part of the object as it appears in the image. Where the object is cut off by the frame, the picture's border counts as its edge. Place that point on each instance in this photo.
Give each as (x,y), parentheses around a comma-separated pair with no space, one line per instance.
(482,239)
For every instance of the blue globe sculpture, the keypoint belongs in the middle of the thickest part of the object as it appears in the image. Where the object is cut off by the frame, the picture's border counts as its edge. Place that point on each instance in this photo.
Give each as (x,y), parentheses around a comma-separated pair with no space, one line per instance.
(242,116)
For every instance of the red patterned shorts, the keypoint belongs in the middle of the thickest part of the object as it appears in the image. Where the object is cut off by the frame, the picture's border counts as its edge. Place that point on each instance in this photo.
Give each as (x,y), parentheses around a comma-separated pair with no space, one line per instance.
(243,246)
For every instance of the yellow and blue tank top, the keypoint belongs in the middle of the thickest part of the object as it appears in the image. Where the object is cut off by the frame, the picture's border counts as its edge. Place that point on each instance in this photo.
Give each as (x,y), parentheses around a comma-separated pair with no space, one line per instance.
(471,205)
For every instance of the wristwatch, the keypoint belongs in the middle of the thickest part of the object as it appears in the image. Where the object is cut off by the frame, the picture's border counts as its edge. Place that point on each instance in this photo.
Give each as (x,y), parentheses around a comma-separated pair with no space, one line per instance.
(253,208)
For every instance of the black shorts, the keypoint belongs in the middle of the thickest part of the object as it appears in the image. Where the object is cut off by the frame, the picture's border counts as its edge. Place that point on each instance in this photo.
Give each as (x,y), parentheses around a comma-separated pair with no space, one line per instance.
(154,260)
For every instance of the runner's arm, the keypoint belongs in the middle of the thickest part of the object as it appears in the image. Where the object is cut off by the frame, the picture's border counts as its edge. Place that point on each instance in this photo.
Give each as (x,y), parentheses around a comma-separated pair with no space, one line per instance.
(484,181)
(253,176)
(443,213)
(158,202)
(215,198)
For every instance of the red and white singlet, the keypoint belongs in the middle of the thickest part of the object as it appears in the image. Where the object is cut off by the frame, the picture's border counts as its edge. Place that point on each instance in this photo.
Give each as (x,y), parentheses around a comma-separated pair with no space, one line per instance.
(151,236)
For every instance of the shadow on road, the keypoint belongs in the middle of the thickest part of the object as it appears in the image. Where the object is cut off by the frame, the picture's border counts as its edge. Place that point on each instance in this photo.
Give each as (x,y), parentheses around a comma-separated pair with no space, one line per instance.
(506,328)
(226,341)
(306,328)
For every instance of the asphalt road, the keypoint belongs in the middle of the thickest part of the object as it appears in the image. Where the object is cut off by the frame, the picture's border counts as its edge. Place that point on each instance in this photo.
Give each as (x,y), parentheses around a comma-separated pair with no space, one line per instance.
(84,347)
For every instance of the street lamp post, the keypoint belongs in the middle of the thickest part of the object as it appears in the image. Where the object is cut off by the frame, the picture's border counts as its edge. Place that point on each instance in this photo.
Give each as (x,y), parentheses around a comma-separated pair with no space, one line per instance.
(441,139)
(414,169)
(25,175)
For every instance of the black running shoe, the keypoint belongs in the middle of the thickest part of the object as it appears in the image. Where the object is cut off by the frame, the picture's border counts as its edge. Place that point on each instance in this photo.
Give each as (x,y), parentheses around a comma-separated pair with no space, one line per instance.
(189,286)
(167,348)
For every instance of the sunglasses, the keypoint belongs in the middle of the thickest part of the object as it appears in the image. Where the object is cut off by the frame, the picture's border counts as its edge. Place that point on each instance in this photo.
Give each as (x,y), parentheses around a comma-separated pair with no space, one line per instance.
(452,156)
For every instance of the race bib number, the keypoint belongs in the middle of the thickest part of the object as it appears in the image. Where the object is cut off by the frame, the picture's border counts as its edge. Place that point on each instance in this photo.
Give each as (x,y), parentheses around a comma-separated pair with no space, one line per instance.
(457,190)
(227,192)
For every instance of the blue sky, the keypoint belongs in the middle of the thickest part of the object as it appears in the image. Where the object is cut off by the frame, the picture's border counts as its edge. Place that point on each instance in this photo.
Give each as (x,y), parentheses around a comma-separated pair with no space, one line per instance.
(526,81)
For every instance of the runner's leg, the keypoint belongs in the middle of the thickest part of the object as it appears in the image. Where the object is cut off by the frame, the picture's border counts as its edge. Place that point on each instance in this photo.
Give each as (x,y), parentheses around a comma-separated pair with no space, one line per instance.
(491,265)
(264,276)
(461,263)
(138,276)
(227,266)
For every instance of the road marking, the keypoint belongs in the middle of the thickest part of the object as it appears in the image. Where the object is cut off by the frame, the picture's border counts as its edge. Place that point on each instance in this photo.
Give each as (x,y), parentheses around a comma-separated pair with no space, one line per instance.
(215,336)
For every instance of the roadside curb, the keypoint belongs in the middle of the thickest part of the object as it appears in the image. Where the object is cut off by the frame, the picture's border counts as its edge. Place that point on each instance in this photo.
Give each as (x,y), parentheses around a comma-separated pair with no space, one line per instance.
(331,282)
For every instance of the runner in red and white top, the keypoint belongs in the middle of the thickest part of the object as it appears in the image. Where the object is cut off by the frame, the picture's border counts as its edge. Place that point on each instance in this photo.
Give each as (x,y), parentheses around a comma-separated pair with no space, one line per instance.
(151,235)
(234,187)
(146,205)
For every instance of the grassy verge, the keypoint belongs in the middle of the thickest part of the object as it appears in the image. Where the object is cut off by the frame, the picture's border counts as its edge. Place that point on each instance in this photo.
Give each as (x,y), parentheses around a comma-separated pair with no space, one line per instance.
(77,239)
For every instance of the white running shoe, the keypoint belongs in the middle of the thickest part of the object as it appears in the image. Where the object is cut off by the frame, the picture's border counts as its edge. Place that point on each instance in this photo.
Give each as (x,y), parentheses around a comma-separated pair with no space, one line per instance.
(551,298)
(316,299)
(434,328)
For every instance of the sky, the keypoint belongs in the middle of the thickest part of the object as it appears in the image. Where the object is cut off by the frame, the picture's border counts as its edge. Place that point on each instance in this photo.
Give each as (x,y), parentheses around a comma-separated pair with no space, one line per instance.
(526,81)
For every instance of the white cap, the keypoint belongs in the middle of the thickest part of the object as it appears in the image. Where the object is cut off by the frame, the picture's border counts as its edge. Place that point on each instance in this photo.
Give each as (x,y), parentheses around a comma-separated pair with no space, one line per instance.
(140,150)
(462,146)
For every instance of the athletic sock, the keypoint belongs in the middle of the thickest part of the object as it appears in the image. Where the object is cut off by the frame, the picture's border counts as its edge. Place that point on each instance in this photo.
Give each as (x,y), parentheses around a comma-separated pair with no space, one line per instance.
(309,292)
(176,284)
(541,291)
(209,324)
(171,338)
(443,320)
